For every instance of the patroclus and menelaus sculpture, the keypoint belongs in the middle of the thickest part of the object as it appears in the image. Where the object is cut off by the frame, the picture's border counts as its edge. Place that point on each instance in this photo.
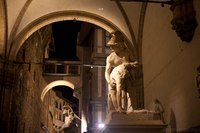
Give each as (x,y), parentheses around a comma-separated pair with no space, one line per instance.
(120,79)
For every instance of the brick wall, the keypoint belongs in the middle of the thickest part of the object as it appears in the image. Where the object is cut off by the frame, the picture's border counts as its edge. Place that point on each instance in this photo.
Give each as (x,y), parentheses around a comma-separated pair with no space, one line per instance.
(27,112)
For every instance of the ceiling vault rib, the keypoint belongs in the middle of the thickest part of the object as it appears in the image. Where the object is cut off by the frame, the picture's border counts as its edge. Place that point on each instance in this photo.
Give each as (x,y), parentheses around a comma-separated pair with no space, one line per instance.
(140,30)
(16,25)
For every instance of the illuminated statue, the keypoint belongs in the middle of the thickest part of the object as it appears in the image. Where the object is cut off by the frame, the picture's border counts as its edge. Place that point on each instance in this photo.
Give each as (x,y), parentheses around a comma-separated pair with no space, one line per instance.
(120,79)
(69,125)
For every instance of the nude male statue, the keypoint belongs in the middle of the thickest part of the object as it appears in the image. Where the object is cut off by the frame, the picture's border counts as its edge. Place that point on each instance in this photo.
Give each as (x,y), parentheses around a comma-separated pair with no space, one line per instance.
(120,78)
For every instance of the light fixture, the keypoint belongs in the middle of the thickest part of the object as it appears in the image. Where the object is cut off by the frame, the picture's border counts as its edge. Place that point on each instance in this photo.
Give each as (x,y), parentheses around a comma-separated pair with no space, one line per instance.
(100,9)
(101,125)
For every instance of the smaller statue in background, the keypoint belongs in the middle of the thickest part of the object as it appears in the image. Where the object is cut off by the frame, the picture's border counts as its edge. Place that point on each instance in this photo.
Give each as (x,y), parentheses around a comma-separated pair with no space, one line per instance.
(69,125)
(158,109)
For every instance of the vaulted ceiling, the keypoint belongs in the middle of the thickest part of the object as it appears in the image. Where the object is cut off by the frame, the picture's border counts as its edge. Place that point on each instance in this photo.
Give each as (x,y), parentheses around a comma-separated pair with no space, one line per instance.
(27,16)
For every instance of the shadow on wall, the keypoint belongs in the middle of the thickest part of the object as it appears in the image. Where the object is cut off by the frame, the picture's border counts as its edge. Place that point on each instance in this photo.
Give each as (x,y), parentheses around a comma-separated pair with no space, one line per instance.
(173,128)
(198,80)
(172,122)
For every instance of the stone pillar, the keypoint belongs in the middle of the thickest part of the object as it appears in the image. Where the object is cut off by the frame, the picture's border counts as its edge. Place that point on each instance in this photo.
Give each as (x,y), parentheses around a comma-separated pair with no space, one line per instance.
(138,85)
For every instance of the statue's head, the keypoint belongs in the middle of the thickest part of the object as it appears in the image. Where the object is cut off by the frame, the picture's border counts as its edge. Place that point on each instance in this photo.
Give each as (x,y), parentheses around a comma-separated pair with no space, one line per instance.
(112,41)
(116,38)
(67,109)
(116,41)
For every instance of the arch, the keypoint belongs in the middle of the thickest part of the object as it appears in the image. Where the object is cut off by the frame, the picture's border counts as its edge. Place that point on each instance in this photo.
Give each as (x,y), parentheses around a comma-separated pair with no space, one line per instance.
(54,84)
(3,27)
(62,16)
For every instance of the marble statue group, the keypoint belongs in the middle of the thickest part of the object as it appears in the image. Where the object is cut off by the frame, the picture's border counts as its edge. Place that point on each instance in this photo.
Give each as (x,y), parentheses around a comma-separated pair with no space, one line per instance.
(119,74)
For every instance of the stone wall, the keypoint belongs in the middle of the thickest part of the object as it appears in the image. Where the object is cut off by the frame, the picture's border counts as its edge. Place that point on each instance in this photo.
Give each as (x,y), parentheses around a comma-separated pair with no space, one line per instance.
(26,112)
(169,67)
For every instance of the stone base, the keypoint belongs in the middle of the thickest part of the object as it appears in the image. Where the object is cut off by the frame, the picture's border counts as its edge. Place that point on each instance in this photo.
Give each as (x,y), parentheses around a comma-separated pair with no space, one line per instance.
(135,122)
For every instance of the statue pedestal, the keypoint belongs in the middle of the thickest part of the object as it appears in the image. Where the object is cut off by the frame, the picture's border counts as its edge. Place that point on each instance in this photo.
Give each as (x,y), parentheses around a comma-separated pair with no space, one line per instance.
(134,122)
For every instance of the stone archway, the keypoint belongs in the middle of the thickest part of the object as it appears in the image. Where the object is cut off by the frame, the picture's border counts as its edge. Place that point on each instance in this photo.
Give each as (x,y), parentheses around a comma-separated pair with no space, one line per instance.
(3,25)
(54,84)
(63,16)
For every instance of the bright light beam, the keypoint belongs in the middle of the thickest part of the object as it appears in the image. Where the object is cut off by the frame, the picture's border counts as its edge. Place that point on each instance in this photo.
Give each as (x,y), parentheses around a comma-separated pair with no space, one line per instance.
(101,125)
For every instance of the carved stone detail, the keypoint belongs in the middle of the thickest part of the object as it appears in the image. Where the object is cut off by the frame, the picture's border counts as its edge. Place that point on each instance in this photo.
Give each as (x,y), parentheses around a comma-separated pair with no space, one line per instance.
(184,21)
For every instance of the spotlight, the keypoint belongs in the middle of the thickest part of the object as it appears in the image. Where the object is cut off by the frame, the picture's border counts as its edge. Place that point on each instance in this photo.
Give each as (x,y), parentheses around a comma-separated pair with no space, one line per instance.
(101,125)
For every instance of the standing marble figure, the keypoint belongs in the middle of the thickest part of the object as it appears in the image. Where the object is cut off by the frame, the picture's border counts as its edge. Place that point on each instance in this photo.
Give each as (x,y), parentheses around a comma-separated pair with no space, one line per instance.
(120,79)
